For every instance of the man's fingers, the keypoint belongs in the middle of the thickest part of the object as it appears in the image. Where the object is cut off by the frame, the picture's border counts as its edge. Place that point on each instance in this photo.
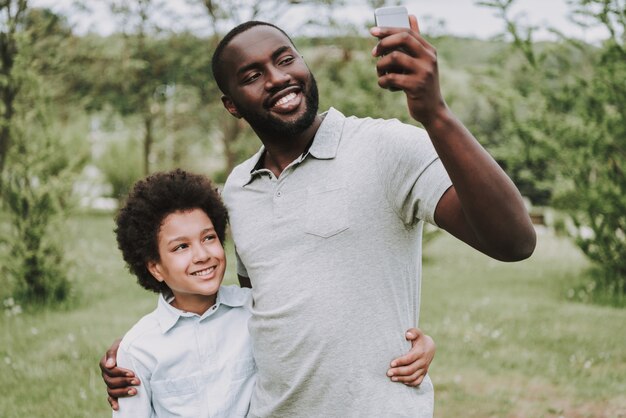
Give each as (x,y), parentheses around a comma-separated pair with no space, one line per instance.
(120,382)
(109,363)
(122,393)
(116,372)
(113,402)
(413,23)
(112,351)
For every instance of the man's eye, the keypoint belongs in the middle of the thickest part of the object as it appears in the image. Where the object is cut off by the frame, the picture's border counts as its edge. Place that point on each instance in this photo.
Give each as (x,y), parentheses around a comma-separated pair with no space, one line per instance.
(287,60)
(251,78)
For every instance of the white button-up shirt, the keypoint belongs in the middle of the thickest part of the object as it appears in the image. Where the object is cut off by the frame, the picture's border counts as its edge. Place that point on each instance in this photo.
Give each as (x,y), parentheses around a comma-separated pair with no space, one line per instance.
(191,365)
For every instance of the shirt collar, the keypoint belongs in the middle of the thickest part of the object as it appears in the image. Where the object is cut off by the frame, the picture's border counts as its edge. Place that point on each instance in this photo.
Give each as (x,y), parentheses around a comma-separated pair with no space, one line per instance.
(168,316)
(328,135)
(324,146)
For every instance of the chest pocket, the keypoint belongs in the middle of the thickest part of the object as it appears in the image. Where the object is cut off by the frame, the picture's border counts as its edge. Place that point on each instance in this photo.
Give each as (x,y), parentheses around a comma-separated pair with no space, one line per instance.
(327,211)
(177,397)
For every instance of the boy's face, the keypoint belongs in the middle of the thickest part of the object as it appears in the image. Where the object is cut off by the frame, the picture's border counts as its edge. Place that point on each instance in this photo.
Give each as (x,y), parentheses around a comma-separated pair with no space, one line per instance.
(192,260)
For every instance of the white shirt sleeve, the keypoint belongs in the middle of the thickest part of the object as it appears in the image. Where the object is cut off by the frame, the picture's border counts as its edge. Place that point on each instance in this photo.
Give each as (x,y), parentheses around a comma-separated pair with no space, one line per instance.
(140,405)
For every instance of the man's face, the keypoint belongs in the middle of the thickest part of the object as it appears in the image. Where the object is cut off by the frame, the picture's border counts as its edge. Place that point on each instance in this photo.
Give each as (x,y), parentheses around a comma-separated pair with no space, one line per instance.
(268,82)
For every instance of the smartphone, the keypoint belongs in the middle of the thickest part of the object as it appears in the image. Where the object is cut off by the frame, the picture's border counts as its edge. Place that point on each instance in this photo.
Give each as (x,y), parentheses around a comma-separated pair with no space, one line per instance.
(392,17)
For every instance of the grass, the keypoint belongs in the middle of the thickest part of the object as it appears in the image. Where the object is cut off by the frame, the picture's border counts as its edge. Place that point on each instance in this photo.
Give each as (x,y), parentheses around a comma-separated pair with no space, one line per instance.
(510,342)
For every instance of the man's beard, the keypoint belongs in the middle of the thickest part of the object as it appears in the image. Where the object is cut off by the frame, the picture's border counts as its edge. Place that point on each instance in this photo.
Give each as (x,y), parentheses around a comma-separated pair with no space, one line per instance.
(269,124)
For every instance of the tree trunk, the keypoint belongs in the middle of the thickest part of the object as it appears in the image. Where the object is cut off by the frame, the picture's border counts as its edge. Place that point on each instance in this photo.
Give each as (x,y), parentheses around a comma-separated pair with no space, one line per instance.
(147,143)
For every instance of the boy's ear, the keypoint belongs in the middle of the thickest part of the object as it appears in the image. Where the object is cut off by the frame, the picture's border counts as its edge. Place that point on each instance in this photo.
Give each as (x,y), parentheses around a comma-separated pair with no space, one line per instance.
(155,269)
(230,106)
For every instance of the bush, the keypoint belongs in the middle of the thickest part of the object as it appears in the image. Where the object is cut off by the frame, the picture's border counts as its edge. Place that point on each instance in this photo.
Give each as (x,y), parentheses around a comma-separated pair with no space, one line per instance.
(36,190)
(121,166)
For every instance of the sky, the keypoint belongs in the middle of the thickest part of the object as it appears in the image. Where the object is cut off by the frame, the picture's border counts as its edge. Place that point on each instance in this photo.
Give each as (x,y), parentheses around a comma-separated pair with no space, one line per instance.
(456,17)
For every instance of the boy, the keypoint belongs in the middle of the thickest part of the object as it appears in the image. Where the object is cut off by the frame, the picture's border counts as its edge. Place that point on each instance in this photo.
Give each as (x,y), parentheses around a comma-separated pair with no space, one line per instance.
(192,353)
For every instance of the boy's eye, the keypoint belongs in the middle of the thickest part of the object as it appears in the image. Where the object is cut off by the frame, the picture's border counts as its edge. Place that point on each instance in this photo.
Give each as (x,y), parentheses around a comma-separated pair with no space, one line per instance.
(209,237)
(180,247)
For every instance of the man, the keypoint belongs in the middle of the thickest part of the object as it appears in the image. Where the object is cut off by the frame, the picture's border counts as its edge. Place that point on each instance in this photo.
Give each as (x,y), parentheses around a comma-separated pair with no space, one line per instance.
(327,220)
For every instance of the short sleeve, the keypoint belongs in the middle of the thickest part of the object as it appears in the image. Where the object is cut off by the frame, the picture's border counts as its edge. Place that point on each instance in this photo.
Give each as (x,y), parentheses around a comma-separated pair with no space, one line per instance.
(413,176)
(140,405)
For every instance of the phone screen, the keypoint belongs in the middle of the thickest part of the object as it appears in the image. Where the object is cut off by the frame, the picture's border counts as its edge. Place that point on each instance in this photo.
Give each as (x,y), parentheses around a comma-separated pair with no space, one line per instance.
(392,17)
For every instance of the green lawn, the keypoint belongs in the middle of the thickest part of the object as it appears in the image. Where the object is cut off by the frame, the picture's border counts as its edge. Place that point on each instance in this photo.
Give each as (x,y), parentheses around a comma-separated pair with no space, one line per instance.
(510,343)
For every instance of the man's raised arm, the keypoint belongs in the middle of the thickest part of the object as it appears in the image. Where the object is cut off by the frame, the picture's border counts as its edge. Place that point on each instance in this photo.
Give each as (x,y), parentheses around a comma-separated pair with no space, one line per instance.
(483,208)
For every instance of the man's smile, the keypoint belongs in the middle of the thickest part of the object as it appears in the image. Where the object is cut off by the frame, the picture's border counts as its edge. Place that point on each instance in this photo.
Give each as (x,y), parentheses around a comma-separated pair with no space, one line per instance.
(286,100)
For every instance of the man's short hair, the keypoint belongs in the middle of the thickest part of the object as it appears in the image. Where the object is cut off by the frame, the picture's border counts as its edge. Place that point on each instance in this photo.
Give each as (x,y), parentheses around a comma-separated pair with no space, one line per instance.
(150,201)
(219,73)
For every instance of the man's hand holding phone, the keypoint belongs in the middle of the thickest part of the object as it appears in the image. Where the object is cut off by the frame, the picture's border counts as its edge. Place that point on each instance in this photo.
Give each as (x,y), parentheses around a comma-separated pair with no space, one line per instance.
(406,61)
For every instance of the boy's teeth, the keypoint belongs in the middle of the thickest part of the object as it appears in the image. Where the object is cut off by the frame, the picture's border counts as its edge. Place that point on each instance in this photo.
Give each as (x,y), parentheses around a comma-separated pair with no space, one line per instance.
(204,272)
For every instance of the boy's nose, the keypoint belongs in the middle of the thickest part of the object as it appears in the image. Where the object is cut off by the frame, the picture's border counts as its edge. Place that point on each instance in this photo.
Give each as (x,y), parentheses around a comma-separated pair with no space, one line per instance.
(200,253)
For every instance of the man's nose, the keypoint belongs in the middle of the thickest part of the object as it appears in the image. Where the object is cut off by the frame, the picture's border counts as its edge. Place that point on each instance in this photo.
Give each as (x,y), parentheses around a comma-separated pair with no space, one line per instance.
(276,77)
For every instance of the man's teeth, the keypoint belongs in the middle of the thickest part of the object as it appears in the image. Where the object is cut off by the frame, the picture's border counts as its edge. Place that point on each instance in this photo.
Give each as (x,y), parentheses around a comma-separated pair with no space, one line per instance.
(285,99)
(204,272)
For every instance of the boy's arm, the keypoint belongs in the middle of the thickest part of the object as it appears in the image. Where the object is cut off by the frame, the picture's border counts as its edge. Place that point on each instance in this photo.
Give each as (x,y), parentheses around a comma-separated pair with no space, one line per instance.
(412,367)
(119,381)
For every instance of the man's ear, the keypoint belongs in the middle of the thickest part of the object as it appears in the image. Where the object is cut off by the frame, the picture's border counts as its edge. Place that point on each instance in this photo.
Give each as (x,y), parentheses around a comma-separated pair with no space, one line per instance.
(230,106)
(155,269)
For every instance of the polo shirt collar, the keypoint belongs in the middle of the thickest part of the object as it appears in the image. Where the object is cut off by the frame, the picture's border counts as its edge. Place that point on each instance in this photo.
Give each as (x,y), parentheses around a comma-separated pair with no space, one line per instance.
(328,135)
(167,315)
(324,146)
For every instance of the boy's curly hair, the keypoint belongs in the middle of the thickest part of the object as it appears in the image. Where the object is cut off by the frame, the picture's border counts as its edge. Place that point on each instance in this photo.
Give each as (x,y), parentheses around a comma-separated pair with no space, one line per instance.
(149,202)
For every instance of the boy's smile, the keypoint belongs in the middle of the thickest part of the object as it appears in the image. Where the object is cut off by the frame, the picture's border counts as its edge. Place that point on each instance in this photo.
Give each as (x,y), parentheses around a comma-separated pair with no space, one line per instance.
(192,260)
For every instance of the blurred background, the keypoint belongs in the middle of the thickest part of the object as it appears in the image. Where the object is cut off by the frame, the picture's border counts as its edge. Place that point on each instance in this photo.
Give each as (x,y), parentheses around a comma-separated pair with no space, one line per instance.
(96,94)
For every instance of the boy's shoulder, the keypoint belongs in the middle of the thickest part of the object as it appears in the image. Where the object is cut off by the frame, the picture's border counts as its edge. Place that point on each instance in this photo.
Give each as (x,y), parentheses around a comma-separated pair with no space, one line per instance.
(236,296)
(147,325)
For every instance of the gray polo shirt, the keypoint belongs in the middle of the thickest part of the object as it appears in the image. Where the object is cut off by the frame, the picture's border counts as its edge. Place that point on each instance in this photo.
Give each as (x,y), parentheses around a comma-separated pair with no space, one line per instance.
(333,249)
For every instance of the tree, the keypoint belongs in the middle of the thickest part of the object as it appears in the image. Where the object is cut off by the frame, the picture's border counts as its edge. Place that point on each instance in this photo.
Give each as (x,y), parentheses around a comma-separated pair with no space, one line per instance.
(11,16)
(37,180)
(575,100)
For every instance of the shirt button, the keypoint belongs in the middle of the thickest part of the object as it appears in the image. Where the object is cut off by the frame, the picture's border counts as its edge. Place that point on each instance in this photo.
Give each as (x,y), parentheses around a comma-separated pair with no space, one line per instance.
(279,194)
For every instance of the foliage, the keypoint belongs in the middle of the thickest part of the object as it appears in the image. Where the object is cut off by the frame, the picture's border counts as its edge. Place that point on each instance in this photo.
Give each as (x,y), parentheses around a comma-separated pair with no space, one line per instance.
(121,166)
(36,195)
(570,115)
(11,16)
(36,188)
